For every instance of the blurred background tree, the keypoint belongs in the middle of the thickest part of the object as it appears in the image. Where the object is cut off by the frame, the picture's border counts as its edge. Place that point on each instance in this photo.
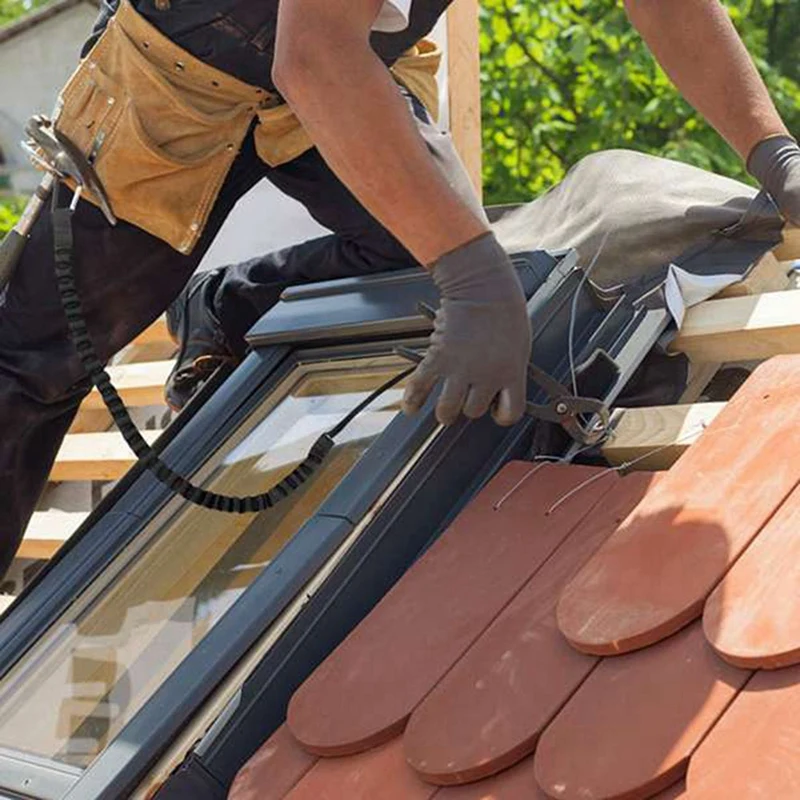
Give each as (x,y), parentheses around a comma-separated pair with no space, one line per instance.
(563,78)
(11,9)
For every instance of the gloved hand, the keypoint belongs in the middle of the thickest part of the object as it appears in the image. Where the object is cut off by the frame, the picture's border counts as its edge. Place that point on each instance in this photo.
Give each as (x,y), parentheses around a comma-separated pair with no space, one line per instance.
(481,340)
(775,163)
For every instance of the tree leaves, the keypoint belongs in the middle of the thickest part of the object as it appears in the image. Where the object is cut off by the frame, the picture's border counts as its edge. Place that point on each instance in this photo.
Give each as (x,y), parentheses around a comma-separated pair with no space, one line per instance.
(564,78)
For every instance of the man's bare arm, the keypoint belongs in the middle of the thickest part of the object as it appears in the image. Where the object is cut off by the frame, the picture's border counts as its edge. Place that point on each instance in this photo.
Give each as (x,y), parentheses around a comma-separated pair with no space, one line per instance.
(698,47)
(352,109)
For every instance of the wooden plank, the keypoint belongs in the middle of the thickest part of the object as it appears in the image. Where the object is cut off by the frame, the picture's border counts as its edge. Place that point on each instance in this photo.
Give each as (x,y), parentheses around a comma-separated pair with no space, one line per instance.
(464,83)
(750,328)
(5,601)
(663,432)
(767,275)
(95,456)
(91,420)
(700,375)
(138,384)
(47,531)
(789,249)
(157,332)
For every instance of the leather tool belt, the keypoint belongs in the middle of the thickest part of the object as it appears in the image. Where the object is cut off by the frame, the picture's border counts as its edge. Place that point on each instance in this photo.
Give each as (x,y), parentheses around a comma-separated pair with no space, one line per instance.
(162,128)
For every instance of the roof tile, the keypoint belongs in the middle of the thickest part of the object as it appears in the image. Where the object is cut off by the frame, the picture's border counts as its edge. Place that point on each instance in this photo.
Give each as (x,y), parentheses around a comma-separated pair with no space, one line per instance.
(752,619)
(278,765)
(488,711)
(756,746)
(379,774)
(517,783)
(653,576)
(363,694)
(629,730)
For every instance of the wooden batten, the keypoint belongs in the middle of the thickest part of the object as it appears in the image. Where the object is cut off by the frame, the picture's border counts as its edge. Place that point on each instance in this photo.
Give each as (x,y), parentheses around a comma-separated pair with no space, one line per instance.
(749,328)
(95,457)
(659,435)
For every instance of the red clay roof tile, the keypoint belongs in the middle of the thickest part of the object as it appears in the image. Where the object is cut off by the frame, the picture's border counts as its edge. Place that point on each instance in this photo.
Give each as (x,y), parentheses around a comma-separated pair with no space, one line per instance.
(752,619)
(653,576)
(754,751)
(629,730)
(363,694)
(488,711)
(517,783)
(278,765)
(379,774)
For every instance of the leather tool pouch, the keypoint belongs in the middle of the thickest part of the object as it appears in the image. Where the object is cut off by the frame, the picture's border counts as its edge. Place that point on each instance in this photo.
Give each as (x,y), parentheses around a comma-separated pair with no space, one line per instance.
(161,127)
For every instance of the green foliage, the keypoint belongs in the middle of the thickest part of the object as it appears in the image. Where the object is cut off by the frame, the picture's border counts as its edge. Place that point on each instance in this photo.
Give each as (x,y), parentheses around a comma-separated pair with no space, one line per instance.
(11,9)
(10,209)
(564,78)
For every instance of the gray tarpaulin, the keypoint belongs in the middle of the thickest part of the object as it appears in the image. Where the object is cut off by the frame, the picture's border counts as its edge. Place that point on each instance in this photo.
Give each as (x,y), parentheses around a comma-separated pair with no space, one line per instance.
(674,234)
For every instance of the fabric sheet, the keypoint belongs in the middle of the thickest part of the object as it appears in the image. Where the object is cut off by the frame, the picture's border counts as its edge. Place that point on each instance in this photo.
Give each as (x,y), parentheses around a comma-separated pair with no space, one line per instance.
(665,227)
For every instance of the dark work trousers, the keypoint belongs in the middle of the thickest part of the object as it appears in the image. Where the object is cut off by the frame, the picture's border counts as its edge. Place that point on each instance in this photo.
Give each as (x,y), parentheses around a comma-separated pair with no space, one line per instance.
(127,278)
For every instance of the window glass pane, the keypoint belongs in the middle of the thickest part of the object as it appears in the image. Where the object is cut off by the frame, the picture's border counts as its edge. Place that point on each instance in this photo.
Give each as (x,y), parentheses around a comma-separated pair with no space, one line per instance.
(123,637)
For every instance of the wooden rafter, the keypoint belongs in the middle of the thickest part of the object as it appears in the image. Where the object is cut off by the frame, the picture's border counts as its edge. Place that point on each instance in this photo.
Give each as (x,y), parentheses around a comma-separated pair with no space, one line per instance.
(464,84)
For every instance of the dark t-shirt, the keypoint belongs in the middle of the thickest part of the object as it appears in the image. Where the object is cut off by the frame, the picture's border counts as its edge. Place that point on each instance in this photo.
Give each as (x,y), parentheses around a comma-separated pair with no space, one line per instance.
(238,36)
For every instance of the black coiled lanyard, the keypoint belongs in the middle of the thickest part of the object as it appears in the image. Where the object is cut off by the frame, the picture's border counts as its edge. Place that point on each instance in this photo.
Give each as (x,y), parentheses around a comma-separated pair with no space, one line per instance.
(79,333)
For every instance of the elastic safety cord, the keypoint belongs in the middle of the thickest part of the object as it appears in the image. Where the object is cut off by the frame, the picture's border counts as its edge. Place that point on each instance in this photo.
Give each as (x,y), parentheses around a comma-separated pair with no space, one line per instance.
(79,333)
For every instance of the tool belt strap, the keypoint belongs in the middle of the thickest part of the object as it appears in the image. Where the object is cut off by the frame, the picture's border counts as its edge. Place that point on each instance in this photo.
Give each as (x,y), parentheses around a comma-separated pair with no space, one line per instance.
(163,128)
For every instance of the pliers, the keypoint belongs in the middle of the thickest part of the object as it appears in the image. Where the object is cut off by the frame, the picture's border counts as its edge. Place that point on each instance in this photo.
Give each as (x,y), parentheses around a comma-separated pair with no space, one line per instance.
(585,419)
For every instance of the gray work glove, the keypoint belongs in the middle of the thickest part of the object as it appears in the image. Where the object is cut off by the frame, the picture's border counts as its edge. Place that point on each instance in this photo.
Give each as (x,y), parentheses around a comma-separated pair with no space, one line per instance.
(481,340)
(775,163)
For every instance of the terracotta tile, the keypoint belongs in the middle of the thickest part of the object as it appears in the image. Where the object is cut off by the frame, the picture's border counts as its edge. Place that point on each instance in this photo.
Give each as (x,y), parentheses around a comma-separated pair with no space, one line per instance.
(753,753)
(675,792)
(653,576)
(752,619)
(274,769)
(629,730)
(380,774)
(517,783)
(489,710)
(364,692)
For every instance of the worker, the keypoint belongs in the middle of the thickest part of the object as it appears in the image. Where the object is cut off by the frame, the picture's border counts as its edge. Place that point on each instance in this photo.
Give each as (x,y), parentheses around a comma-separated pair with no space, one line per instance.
(184,105)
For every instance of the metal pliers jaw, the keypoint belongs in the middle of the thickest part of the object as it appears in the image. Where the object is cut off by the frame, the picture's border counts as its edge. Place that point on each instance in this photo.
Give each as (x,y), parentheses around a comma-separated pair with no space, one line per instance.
(586,419)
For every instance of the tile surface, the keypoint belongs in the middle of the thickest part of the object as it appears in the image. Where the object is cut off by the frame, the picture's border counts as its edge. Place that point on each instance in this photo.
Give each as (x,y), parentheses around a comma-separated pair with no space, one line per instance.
(629,730)
(274,770)
(752,619)
(654,574)
(489,710)
(754,751)
(363,694)
(380,774)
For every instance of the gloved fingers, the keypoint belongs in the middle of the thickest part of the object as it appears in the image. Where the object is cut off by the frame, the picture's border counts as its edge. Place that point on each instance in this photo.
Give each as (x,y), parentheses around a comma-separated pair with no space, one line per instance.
(419,386)
(510,405)
(452,399)
(479,401)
